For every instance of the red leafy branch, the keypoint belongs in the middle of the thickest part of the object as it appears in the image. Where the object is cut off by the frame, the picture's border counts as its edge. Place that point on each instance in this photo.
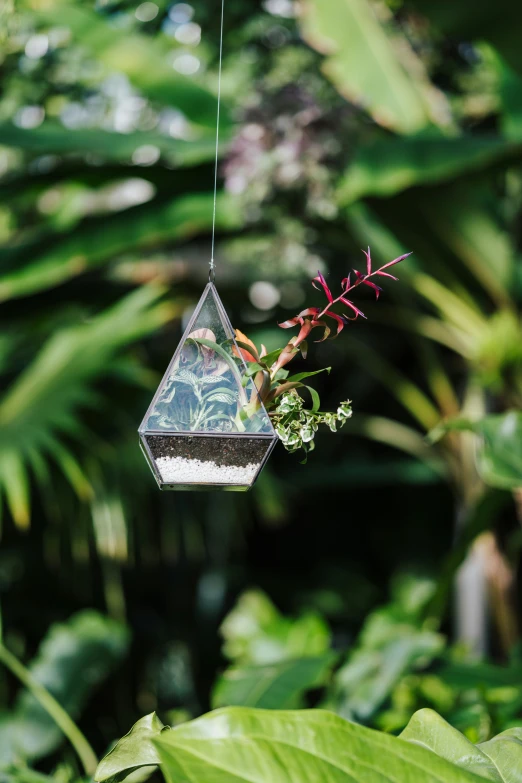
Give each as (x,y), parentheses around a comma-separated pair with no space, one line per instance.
(313,317)
(348,286)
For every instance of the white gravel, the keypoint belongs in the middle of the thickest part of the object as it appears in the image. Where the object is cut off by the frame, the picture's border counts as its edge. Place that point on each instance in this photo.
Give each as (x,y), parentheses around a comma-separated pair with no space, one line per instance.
(178,470)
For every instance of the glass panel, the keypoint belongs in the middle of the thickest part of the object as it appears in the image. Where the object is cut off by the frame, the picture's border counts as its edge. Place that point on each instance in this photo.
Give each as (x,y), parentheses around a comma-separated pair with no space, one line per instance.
(208,460)
(205,388)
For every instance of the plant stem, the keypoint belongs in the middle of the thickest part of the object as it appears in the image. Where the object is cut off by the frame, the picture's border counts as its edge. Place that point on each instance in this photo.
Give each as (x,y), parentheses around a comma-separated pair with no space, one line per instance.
(53,709)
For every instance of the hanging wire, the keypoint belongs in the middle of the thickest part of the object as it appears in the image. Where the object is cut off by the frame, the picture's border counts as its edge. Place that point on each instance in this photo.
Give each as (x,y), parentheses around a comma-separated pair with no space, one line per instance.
(212,265)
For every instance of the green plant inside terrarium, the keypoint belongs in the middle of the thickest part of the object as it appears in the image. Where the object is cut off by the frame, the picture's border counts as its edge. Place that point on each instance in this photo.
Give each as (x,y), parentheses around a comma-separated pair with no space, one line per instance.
(206,388)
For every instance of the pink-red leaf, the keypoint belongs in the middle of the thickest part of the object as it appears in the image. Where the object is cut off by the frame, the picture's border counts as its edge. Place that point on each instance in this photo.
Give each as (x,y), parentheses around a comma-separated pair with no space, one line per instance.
(376,288)
(326,332)
(345,283)
(320,279)
(341,322)
(303,319)
(395,261)
(368,261)
(291,322)
(352,306)
(385,274)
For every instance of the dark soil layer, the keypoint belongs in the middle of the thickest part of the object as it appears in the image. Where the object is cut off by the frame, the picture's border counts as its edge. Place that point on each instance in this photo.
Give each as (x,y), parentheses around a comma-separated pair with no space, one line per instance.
(237,451)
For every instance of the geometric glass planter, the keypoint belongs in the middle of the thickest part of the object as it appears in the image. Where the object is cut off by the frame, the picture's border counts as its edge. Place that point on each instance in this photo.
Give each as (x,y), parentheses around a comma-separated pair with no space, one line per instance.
(206,427)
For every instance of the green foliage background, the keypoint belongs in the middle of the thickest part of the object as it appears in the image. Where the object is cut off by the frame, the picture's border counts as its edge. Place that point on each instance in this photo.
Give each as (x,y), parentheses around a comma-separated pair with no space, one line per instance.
(345,123)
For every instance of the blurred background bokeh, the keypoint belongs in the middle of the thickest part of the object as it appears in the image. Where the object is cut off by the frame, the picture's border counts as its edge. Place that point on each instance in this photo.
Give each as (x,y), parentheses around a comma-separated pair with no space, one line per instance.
(387,569)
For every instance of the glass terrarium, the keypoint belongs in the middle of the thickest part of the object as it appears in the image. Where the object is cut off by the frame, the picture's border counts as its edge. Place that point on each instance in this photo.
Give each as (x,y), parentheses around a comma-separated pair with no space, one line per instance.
(206,427)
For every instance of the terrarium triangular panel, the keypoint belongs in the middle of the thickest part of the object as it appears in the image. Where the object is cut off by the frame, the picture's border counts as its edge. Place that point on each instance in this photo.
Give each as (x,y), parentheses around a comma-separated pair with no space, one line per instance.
(205,388)
(206,424)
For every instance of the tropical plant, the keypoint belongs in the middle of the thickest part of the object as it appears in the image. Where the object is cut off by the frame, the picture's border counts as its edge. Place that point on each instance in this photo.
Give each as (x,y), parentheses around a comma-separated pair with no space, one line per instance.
(289,746)
(499,459)
(73,660)
(444,192)
(397,123)
(295,425)
(399,663)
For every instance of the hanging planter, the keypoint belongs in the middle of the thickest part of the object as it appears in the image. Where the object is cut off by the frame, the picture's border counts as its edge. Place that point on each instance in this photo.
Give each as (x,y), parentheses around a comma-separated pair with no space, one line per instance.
(206,426)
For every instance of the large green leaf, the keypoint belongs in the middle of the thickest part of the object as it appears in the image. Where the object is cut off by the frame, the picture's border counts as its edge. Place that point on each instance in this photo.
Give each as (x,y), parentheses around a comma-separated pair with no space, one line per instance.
(370,675)
(140,57)
(276,686)
(134,751)
(500,456)
(20,773)
(500,460)
(260,746)
(475,674)
(463,216)
(362,63)
(42,404)
(54,384)
(511,96)
(388,166)
(393,641)
(505,751)
(433,732)
(255,632)
(51,138)
(72,661)
(509,85)
(499,759)
(98,241)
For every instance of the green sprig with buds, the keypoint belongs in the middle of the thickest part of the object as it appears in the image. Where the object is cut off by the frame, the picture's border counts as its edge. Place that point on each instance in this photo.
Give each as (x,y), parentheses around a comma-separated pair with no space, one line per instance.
(296,425)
